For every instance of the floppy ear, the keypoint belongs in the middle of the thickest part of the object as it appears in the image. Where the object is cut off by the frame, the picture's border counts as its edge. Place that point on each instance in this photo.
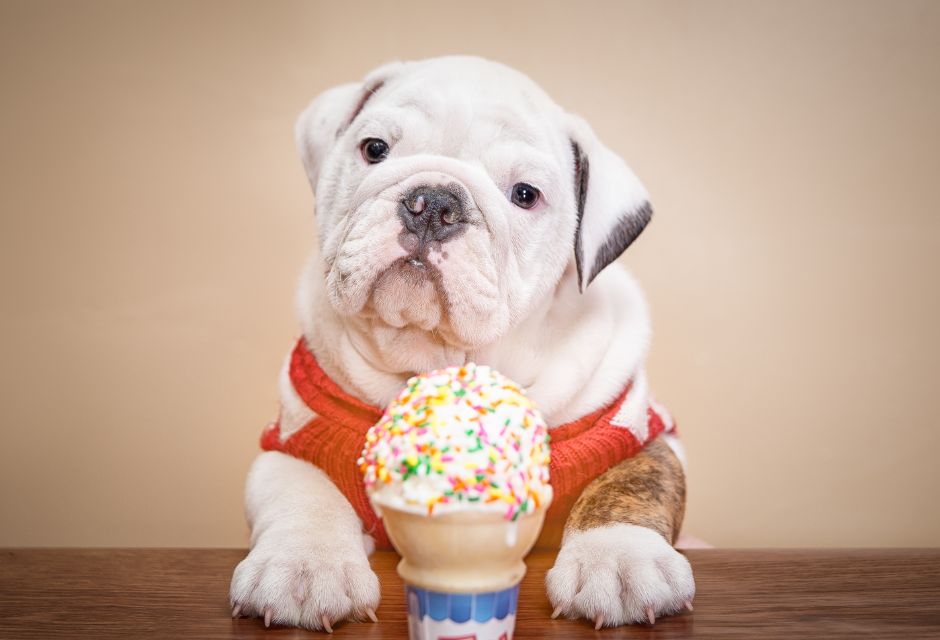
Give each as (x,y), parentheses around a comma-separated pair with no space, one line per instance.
(321,123)
(330,113)
(613,207)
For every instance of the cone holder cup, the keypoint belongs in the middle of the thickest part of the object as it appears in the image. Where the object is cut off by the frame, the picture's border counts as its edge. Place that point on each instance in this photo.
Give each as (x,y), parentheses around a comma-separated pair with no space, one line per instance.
(462,570)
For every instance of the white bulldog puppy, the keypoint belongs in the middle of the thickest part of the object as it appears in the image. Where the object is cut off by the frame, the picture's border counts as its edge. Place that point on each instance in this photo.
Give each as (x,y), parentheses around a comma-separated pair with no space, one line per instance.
(463,216)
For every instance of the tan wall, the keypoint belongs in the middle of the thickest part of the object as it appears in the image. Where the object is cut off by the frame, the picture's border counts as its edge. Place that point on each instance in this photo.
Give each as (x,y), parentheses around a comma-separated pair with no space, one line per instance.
(155,218)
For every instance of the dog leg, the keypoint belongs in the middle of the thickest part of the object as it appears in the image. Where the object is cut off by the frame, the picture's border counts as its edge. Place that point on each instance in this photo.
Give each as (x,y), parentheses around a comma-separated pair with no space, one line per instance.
(617,564)
(308,565)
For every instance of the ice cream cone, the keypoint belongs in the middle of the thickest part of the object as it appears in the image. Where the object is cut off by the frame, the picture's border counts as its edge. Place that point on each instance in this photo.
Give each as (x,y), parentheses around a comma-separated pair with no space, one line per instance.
(462,551)
(458,469)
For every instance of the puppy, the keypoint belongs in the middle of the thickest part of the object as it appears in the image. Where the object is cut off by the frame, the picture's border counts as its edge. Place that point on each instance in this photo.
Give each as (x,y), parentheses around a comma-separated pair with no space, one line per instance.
(463,216)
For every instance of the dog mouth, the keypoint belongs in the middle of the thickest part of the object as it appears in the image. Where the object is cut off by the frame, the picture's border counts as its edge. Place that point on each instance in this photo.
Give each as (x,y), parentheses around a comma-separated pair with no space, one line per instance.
(418,256)
(416,262)
(416,267)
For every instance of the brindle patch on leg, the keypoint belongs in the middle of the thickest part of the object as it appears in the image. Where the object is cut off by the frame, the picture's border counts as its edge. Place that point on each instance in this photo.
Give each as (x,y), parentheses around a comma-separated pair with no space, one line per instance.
(646,490)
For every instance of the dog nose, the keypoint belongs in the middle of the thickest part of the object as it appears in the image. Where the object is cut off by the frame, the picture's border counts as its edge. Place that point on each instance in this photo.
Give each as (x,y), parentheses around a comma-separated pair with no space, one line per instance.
(433,213)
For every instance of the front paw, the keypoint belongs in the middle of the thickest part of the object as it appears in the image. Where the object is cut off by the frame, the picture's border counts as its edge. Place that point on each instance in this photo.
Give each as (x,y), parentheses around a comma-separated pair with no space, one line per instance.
(619,574)
(304,584)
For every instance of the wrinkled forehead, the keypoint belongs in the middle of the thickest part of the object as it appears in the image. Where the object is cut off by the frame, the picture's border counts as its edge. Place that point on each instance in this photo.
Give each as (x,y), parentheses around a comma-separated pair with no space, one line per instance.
(474,104)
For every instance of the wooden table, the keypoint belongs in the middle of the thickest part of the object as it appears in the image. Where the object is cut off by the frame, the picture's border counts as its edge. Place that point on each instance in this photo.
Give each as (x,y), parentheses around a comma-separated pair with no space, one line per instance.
(180,593)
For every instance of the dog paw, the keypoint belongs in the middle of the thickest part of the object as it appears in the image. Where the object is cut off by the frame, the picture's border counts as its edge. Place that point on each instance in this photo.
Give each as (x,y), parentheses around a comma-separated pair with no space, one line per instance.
(304,585)
(619,574)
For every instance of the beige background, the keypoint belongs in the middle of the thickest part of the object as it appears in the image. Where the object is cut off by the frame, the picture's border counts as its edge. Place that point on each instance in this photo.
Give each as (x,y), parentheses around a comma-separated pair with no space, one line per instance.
(155,218)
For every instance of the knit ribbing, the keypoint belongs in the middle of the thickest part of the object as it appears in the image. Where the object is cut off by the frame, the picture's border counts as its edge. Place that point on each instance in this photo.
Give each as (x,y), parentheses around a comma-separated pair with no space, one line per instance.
(580,450)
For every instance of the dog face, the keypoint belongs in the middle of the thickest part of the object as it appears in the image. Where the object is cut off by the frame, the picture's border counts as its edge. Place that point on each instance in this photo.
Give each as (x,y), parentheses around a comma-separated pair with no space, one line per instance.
(452,194)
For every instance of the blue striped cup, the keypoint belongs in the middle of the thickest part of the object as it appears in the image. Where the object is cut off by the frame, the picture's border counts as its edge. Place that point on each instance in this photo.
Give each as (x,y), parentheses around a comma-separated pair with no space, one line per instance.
(438,615)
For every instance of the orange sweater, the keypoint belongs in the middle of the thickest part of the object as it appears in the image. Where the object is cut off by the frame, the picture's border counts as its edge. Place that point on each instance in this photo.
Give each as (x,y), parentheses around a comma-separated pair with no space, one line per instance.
(580,450)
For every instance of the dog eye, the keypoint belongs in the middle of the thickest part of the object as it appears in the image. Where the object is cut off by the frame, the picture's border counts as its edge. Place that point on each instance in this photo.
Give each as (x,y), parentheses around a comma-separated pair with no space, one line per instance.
(524,195)
(374,150)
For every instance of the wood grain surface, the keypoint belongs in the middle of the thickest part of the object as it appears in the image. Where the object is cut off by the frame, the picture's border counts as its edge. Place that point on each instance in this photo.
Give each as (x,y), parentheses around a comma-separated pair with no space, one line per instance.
(183,593)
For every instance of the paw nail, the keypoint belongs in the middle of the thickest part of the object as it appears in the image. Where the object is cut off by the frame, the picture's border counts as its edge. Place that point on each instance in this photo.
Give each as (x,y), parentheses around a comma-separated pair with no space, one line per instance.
(650,616)
(236,610)
(326,624)
(556,612)
(267,617)
(371,614)
(688,605)
(599,622)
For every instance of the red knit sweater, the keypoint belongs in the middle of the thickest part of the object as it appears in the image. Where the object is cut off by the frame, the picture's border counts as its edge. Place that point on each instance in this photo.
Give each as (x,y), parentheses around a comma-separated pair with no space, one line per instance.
(333,439)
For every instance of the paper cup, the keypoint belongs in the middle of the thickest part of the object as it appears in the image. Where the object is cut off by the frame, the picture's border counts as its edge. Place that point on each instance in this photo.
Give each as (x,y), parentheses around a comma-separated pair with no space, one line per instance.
(436,615)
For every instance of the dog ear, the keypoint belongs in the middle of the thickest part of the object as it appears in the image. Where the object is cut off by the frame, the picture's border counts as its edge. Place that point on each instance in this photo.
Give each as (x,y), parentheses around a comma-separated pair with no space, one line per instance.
(330,113)
(321,123)
(613,206)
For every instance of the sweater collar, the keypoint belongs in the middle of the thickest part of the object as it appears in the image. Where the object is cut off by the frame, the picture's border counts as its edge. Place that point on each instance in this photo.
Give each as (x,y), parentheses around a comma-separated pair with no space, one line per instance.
(325,398)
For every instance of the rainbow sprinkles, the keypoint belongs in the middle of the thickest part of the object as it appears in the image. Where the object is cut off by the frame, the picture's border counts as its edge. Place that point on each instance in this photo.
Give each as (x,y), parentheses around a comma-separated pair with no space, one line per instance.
(459,438)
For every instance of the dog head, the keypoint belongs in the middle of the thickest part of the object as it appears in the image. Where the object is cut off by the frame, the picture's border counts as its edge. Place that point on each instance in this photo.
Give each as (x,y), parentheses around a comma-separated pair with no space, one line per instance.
(452,194)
